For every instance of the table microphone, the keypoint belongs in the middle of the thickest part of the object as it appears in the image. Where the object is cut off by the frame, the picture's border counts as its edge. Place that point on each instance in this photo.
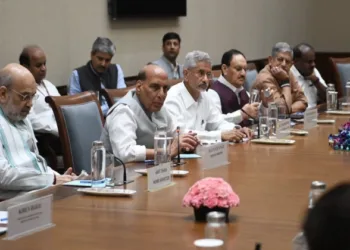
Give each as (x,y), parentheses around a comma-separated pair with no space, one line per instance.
(178,161)
(125,181)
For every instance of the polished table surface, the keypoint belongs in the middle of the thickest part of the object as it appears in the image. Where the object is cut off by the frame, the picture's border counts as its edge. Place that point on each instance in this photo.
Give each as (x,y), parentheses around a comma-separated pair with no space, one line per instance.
(272,182)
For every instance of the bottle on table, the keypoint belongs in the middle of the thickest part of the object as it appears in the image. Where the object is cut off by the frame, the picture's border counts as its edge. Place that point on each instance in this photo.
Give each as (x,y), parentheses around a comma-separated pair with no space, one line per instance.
(316,190)
(329,96)
(347,88)
(98,165)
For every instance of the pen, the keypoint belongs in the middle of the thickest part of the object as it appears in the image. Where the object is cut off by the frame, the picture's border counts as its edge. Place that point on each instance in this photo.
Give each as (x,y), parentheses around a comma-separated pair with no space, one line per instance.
(3,219)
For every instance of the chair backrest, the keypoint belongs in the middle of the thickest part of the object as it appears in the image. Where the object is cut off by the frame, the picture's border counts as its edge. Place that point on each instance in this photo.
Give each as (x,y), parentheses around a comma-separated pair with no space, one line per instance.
(341,69)
(113,95)
(251,74)
(80,122)
(216,74)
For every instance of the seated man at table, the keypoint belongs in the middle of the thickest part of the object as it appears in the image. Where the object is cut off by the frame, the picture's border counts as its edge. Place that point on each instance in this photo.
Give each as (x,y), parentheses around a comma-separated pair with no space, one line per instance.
(231,98)
(307,76)
(193,110)
(21,167)
(171,49)
(276,77)
(41,115)
(132,122)
(98,72)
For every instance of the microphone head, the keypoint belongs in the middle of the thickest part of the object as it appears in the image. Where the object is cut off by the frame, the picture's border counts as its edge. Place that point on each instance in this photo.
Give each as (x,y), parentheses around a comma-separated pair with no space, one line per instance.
(178,129)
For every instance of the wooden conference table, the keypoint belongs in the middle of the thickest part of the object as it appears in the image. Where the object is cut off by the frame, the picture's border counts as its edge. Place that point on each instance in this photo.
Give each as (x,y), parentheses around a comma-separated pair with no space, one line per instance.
(272,182)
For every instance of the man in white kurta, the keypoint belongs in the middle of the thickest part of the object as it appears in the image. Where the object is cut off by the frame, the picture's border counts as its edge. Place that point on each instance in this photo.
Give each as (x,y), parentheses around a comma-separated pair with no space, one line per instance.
(192,108)
(21,167)
(41,115)
(132,122)
(307,76)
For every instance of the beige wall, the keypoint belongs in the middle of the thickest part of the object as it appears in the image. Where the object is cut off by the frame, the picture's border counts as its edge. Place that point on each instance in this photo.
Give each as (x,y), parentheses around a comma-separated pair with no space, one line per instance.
(67,28)
(331,18)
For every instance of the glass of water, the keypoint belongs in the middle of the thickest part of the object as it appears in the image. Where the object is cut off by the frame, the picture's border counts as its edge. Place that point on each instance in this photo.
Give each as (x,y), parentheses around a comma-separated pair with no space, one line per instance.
(264,127)
(110,169)
(282,111)
(254,96)
(162,145)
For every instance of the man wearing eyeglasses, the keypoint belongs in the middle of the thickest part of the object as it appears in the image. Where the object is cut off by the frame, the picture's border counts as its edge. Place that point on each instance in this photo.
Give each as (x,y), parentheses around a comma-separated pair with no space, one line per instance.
(280,82)
(41,115)
(192,108)
(21,167)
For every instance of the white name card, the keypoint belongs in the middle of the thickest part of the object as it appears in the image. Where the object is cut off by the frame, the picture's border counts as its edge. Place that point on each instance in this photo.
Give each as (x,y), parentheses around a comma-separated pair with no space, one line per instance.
(159,176)
(310,118)
(214,155)
(29,217)
(283,128)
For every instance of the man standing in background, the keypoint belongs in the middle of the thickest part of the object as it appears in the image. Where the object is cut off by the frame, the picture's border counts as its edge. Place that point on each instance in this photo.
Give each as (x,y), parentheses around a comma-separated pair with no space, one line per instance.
(171,49)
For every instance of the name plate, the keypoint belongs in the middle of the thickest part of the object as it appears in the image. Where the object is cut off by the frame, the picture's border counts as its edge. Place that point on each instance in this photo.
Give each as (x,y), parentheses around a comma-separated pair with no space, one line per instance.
(214,155)
(283,128)
(29,217)
(310,118)
(159,176)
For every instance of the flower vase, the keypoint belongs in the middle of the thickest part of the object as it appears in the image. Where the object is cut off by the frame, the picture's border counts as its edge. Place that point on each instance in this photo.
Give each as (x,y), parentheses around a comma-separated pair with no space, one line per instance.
(200,214)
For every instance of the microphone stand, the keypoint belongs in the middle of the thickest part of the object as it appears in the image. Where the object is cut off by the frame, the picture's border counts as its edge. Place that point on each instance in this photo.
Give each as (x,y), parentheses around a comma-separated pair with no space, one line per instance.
(178,161)
(125,181)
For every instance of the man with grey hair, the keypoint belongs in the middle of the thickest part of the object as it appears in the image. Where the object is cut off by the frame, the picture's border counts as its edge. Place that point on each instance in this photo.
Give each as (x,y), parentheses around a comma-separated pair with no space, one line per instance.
(192,108)
(21,167)
(98,72)
(280,82)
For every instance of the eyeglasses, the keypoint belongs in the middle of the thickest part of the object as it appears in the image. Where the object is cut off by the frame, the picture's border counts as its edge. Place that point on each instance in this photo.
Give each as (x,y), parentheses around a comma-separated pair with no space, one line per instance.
(26,98)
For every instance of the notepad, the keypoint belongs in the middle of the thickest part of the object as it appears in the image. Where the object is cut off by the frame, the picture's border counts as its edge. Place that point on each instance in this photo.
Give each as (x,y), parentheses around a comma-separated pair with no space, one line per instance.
(189,156)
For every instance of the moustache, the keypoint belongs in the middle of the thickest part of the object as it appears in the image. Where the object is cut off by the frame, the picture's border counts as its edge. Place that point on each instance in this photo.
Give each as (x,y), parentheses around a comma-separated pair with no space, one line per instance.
(203,85)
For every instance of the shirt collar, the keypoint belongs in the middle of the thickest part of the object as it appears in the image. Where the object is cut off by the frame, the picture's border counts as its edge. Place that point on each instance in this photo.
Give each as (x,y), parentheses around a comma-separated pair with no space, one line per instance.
(186,96)
(296,73)
(229,85)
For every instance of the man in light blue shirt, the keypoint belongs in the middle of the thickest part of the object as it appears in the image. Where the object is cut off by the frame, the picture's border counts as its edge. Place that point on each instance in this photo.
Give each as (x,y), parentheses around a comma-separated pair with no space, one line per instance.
(171,49)
(98,73)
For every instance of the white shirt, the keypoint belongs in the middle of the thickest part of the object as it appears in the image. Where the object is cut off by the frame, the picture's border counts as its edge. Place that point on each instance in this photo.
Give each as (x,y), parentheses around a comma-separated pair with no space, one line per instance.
(121,126)
(21,170)
(41,115)
(310,91)
(235,117)
(201,117)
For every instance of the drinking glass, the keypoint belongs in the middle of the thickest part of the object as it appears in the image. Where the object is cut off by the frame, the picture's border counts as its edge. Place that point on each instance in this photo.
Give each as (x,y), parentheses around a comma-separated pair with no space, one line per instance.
(282,111)
(264,127)
(254,96)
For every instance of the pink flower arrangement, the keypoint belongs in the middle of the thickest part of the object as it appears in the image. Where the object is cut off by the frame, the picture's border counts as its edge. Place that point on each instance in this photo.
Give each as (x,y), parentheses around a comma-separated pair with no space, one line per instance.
(211,192)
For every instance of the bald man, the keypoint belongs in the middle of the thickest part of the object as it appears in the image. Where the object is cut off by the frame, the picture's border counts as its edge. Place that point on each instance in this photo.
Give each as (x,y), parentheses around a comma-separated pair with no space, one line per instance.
(132,122)
(21,166)
(41,115)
